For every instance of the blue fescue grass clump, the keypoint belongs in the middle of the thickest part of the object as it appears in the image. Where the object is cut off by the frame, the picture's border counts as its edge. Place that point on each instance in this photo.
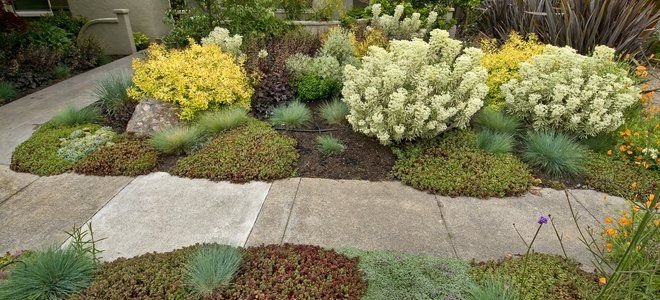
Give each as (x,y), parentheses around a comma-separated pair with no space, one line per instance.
(112,94)
(334,112)
(555,153)
(329,145)
(394,275)
(218,121)
(50,274)
(497,121)
(177,140)
(492,289)
(72,116)
(291,116)
(7,91)
(212,267)
(495,142)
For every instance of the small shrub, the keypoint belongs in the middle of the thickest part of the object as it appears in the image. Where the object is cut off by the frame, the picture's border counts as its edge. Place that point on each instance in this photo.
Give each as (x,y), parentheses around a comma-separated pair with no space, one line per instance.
(49,274)
(198,78)
(619,178)
(141,40)
(177,140)
(61,72)
(323,67)
(222,38)
(406,29)
(7,91)
(492,289)
(212,267)
(495,142)
(124,158)
(31,67)
(311,88)
(497,121)
(329,145)
(454,166)
(148,276)
(252,152)
(82,142)
(562,90)
(554,153)
(103,59)
(415,89)
(296,272)
(545,277)
(113,100)
(411,276)
(71,116)
(38,155)
(334,112)
(292,115)
(339,43)
(219,121)
(503,62)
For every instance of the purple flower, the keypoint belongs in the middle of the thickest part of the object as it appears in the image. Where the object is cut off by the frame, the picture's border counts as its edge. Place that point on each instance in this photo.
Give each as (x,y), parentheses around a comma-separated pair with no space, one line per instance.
(542,220)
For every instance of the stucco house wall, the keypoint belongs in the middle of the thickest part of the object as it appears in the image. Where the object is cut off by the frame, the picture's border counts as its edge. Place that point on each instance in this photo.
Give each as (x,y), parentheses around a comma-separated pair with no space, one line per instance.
(146,15)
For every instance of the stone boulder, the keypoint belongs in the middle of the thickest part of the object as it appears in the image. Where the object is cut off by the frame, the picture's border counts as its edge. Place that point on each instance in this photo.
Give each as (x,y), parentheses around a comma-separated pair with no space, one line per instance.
(152,115)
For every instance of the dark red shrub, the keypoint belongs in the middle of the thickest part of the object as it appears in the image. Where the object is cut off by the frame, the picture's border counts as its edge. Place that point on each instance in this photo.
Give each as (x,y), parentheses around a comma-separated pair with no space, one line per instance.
(9,21)
(296,272)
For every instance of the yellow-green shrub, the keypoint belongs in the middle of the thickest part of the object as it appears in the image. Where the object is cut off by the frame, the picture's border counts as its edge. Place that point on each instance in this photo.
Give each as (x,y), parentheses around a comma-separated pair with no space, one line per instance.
(502,62)
(195,78)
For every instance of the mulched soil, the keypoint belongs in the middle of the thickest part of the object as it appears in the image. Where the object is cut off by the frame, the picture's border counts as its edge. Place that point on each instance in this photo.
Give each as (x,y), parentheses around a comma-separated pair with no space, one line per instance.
(364,158)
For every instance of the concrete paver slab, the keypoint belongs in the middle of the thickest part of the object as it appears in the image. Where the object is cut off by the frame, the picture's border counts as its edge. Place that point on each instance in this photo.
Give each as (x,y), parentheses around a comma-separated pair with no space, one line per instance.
(160,212)
(38,215)
(367,215)
(483,229)
(19,118)
(12,182)
(274,215)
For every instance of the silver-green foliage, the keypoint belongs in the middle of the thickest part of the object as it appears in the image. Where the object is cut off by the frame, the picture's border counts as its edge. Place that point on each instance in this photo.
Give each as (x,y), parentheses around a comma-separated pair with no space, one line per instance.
(497,121)
(329,145)
(292,115)
(83,142)
(71,116)
(49,274)
(212,267)
(7,91)
(112,94)
(177,140)
(334,112)
(555,153)
(492,289)
(338,44)
(219,121)
(495,142)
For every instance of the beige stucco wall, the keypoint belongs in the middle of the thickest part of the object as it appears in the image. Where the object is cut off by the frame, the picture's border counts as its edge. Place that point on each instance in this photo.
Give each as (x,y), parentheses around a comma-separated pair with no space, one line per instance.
(146,15)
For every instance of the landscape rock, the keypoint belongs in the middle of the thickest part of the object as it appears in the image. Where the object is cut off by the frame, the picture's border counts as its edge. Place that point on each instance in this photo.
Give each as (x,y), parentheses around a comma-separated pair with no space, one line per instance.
(152,115)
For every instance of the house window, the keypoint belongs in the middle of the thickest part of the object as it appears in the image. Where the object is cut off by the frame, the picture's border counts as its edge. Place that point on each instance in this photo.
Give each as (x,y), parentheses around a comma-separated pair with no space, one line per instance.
(32,8)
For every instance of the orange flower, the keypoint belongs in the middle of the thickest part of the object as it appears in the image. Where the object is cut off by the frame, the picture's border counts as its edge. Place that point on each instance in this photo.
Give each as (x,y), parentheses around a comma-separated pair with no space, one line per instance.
(628,56)
(607,220)
(648,204)
(624,212)
(611,231)
(602,280)
(609,152)
(636,208)
(634,184)
(608,246)
(651,197)
(625,221)
(640,68)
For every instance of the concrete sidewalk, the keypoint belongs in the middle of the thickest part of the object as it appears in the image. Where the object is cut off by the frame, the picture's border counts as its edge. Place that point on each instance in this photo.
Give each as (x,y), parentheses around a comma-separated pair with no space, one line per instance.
(160,212)
(19,118)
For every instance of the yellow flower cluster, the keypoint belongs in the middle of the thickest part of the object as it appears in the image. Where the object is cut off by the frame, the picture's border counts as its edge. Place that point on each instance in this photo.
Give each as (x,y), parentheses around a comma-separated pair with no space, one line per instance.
(502,62)
(196,78)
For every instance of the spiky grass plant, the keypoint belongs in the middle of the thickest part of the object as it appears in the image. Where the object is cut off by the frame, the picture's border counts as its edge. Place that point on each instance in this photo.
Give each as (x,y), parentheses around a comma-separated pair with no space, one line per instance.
(212,267)
(334,112)
(62,72)
(495,142)
(497,121)
(177,140)
(50,274)
(7,91)
(219,121)
(71,116)
(555,153)
(113,99)
(329,145)
(291,116)
(492,289)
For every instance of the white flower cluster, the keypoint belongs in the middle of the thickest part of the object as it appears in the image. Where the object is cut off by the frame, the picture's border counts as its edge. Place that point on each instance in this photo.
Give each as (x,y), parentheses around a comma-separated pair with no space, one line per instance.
(406,29)
(221,37)
(564,90)
(416,89)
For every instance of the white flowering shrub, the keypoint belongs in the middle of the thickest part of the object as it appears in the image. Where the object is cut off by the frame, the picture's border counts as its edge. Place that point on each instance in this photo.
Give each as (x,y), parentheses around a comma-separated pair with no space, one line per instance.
(228,43)
(82,142)
(406,29)
(415,89)
(563,90)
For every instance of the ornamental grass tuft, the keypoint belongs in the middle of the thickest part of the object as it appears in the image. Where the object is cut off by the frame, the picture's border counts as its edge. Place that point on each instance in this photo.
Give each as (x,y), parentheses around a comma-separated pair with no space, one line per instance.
(212,267)
(554,153)
(7,91)
(291,116)
(112,93)
(177,140)
(329,145)
(218,121)
(334,112)
(71,116)
(495,142)
(492,289)
(497,121)
(49,274)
